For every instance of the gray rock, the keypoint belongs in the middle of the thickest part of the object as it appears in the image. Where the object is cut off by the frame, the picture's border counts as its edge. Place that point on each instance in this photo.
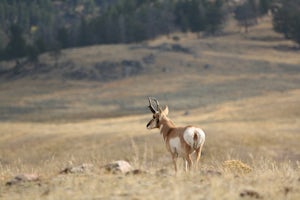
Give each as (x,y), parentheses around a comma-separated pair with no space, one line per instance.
(83,168)
(120,166)
(23,178)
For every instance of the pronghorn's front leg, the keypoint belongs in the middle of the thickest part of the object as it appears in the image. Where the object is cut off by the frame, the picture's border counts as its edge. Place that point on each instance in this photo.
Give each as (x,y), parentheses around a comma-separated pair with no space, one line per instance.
(185,162)
(174,158)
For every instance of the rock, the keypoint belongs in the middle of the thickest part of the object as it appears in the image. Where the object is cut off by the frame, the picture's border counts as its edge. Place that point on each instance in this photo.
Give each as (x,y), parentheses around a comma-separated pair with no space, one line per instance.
(163,172)
(83,168)
(136,172)
(287,190)
(250,193)
(23,178)
(149,59)
(179,48)
(206,66)
(186,113)
(117,70)
(213,173)
(120,166)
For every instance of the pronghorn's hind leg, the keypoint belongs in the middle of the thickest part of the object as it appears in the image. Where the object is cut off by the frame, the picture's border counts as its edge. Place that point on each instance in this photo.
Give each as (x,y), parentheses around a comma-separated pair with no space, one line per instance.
(189,161)
(198,156)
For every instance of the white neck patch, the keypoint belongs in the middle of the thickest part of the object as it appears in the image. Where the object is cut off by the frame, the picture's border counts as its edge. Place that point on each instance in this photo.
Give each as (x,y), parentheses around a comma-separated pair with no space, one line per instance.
(161,128)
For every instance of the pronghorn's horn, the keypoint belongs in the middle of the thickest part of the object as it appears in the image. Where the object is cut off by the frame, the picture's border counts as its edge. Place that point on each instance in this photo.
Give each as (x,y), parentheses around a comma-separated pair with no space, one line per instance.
(151,106)
(157,104)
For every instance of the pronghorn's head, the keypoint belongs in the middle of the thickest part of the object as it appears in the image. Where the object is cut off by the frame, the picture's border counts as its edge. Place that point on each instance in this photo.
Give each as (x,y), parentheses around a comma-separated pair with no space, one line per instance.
(158,114)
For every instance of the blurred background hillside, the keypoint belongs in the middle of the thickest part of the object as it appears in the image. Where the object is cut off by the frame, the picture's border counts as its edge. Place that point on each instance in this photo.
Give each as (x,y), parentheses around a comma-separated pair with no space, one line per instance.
(96,58)
(29,28)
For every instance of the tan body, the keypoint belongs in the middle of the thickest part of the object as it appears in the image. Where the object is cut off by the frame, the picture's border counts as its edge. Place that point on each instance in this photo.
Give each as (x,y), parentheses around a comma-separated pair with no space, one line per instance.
(180,141)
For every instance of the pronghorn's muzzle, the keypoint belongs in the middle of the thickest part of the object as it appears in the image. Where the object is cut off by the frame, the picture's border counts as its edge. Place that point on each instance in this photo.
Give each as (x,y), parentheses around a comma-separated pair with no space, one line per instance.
(153,123)
(148,124)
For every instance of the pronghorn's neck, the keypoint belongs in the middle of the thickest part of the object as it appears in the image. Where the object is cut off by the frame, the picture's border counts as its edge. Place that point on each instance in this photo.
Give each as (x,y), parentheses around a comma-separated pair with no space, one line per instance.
(166,125)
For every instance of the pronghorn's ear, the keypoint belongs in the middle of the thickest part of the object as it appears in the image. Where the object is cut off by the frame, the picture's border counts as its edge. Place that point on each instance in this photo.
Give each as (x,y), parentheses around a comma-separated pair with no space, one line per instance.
(160,110)
(166,110)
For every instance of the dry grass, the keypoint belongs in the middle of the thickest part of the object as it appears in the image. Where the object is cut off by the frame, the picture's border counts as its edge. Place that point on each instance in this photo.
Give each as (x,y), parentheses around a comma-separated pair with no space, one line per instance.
(267,145)
(243,91)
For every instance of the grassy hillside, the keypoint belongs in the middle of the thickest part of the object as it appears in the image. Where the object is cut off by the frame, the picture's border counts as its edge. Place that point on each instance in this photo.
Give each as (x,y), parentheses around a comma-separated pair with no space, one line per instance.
(244,91)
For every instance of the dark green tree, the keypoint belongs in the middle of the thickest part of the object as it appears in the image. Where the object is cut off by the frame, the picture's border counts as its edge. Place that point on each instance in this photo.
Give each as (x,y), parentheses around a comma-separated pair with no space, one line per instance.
(84,33)
(215,16)
(32,54)
(264,6)
(16,47)
(197,15)
(246,15)
(190,15)
(62,37)
(286,19)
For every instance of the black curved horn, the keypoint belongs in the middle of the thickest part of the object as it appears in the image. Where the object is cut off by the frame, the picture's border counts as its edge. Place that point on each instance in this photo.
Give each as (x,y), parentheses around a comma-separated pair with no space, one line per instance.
(151,107)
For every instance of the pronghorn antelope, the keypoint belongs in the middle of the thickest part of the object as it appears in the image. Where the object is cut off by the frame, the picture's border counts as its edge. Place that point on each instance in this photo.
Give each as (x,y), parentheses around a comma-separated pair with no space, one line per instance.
(180,141)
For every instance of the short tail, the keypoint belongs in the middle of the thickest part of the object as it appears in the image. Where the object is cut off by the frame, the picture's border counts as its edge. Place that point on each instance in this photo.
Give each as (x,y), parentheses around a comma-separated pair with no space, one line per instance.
(195,140)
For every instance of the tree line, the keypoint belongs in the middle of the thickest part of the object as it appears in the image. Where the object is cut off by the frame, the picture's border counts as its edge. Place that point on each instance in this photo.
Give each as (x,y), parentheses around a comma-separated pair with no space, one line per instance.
(31,27)
(286,19)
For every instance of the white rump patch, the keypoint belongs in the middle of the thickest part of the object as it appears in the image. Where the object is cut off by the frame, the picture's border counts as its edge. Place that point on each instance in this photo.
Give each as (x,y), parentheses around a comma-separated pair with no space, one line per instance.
(189,135)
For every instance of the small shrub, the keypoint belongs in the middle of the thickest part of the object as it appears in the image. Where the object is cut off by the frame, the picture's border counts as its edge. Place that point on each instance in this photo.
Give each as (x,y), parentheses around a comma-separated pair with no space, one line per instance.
(236,166)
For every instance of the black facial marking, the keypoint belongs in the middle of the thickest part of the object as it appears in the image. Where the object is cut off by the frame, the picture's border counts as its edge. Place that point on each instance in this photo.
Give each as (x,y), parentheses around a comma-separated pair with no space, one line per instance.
(148,123)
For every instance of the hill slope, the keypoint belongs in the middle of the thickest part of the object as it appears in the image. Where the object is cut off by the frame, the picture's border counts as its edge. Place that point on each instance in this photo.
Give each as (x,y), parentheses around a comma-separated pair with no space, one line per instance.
(111,80)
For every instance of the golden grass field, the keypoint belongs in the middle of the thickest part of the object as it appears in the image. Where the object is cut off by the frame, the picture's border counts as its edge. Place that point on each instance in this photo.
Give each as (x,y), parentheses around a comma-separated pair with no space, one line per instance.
(243,90)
